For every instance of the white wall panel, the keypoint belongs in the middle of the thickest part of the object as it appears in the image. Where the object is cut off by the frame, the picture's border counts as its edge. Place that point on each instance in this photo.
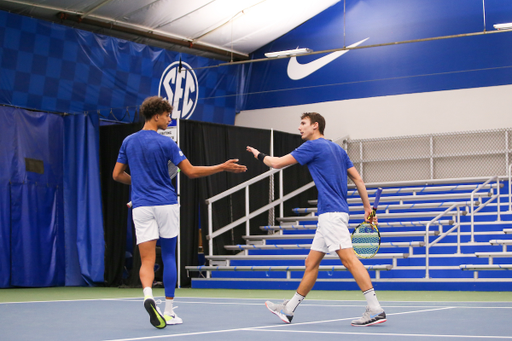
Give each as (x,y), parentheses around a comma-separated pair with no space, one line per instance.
(388,116)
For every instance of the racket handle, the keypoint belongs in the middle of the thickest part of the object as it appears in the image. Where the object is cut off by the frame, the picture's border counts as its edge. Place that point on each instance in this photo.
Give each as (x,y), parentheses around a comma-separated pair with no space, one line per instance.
(129,204)
(377,198)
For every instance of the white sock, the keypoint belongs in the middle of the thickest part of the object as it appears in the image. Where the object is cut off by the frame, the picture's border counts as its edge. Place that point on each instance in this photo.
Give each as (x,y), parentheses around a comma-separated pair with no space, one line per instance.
(168,306)
(148,292)
(371,299)
(294,302)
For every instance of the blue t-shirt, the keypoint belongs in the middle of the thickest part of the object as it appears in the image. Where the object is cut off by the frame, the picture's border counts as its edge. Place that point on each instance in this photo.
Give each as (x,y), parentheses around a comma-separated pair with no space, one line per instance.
(328,164)
(147,153)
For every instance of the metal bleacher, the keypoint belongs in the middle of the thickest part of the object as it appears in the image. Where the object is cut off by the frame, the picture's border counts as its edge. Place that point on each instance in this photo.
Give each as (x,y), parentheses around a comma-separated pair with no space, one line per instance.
(430,234)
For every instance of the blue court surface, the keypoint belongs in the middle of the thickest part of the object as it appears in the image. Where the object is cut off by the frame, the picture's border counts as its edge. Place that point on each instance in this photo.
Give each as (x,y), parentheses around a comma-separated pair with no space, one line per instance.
(248,319)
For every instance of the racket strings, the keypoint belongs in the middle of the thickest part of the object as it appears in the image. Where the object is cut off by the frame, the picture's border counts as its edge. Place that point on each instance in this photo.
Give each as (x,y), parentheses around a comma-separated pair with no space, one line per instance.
(365,240)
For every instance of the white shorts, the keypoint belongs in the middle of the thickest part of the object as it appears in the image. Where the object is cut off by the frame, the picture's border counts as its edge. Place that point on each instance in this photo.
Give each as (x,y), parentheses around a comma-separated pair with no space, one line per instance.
(152,222)
(332,233)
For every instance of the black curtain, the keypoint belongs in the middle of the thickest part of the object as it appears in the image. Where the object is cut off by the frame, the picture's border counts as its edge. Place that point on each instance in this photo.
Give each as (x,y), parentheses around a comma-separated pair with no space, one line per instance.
(210,144)
(114,196)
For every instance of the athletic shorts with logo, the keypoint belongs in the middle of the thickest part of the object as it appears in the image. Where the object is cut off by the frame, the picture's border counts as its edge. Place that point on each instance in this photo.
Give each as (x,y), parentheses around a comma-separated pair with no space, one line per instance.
(153,222)
(332,233)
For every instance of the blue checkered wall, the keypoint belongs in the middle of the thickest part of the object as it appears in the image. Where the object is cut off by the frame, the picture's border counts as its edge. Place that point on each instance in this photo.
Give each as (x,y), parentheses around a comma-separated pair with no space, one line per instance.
(50,67)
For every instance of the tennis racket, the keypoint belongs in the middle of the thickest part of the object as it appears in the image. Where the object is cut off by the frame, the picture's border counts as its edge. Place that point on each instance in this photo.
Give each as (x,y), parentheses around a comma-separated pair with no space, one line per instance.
(366,236)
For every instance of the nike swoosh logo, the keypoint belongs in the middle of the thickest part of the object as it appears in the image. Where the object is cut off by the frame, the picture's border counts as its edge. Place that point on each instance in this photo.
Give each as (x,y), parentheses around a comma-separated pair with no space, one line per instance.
(298,71)
(159,317)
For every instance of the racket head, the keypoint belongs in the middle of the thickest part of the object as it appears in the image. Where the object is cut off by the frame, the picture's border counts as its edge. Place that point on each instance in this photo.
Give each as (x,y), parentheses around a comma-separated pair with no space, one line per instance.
(366,240)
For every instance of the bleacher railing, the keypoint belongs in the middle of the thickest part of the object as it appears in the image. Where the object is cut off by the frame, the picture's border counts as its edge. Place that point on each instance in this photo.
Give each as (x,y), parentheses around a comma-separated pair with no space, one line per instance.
(456,225)
(249,215)
(428,245)
(482,205)
(454,210)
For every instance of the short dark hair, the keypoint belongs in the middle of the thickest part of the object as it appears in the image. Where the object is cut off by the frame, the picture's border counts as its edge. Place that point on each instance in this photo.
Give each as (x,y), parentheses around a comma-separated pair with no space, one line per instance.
(155,105)
(315,117)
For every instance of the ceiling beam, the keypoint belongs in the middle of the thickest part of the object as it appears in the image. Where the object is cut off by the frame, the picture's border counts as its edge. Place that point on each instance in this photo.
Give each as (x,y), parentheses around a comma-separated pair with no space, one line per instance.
(148,33)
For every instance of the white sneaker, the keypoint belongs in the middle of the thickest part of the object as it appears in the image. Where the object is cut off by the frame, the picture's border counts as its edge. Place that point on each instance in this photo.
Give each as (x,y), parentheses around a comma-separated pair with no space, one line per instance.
(172,318)
(280,311)
(370,317)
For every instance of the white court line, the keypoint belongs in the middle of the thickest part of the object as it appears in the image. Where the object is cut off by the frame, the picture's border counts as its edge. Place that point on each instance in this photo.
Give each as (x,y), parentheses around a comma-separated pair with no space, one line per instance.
(362,300)
(262,327)
(388,334)
(178,300)
(307,304)
(78,300)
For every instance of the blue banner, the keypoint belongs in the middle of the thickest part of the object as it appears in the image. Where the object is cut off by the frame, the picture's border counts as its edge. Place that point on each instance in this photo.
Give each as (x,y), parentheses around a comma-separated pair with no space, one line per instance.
(49,67)
(465,62)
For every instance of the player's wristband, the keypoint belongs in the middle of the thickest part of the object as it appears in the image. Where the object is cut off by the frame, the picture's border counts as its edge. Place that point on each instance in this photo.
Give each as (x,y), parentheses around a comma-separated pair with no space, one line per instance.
(261,156)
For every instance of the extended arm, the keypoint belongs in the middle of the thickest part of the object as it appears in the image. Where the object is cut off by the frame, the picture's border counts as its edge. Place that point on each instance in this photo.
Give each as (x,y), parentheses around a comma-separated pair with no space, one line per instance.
(353,174)
(119,174)
(273,161)
(200,171)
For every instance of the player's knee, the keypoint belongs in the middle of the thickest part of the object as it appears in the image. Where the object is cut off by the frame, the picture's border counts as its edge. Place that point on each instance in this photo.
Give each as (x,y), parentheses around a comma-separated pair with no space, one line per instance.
(349,262)
(310,264)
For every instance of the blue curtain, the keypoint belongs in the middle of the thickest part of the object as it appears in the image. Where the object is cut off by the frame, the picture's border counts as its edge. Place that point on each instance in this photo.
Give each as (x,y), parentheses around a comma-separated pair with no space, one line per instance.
(32,229)
(40,245)
(7,152)
(37,236)
(82,201)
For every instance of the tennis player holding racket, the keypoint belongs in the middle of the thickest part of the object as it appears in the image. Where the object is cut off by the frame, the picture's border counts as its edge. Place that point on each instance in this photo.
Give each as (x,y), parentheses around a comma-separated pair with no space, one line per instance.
(154,199)
(329,166)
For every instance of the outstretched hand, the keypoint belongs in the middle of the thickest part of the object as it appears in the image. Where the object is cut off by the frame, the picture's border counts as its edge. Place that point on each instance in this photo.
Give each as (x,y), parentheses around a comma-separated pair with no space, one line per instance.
(254,151)
(233,167)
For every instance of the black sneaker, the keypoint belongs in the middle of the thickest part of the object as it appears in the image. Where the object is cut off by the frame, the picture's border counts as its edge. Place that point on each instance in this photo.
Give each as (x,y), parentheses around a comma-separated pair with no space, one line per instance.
(155,316)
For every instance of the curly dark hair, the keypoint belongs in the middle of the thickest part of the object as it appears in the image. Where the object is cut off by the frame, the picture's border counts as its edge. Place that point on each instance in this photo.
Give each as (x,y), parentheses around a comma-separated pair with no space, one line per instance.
(315,117)
(155,105)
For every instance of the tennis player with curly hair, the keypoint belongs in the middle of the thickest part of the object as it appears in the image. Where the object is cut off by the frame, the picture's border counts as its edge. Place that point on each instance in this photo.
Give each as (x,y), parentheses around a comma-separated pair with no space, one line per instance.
(154,199)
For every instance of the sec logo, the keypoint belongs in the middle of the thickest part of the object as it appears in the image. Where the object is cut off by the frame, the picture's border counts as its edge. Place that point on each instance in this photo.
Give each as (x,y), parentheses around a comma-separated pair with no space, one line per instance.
(180,89)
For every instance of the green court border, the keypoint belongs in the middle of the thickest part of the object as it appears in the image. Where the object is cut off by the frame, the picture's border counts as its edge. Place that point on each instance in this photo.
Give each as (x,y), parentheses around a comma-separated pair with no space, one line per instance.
(87,293)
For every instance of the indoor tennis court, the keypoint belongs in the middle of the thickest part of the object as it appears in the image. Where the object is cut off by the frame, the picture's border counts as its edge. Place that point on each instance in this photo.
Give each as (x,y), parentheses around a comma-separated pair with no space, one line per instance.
(236,314)
(414,97)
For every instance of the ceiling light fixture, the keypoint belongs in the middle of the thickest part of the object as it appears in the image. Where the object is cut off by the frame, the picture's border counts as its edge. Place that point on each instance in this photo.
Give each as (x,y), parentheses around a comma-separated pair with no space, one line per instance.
(288,53)
(507,26)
